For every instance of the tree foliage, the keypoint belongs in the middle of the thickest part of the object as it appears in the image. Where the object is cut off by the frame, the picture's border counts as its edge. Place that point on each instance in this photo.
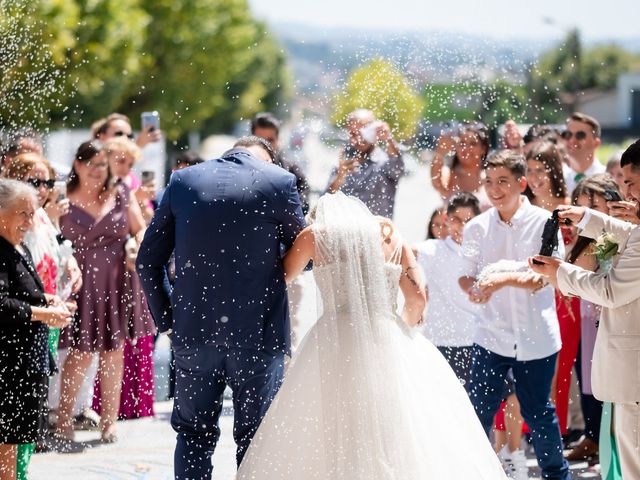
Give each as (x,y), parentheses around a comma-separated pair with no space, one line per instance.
(379,86)
(570,69)
(193,60)
(491,103)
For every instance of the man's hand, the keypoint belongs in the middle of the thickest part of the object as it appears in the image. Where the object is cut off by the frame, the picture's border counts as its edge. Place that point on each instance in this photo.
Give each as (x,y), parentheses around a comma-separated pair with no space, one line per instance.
(571,212)
(626,211)
(548,267)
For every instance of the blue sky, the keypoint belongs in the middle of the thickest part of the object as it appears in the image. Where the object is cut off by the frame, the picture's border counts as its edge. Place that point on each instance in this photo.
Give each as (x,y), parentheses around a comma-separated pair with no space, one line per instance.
(495,18)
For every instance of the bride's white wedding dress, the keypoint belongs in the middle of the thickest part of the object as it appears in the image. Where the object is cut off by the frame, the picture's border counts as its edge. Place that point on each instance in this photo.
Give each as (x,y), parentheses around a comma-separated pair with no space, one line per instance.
(366,397)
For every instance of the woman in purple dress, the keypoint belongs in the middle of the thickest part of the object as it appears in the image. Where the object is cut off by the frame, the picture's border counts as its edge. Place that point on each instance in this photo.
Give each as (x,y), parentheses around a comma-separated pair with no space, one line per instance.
(101,218)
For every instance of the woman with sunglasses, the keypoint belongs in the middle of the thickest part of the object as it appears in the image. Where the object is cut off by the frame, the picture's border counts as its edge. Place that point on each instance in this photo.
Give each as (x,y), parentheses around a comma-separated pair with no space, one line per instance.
(101,218)
(56,268)
(119,125)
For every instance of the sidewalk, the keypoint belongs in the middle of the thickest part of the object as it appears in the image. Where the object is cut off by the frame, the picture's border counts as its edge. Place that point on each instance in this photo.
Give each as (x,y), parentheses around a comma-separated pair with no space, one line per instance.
(145,452)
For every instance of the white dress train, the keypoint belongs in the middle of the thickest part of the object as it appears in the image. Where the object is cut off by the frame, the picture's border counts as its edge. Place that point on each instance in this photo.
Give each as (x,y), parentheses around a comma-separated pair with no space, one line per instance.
(365,397)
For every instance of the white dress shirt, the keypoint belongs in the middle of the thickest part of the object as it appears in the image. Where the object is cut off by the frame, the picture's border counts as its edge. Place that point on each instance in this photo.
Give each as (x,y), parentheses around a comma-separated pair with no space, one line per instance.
(450,316)
(515,322)
(570,174)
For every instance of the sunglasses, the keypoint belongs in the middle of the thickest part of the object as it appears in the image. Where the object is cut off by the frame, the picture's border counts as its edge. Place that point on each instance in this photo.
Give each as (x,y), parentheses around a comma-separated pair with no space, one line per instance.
(37,183)
(580,135)
(120,133)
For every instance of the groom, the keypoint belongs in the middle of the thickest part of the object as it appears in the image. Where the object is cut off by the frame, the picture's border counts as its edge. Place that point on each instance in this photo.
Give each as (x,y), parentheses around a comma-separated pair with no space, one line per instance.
(227,220)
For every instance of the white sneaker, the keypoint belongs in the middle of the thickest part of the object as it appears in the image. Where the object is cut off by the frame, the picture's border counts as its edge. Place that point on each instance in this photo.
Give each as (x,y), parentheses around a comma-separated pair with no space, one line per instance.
(519,469)
(505,457)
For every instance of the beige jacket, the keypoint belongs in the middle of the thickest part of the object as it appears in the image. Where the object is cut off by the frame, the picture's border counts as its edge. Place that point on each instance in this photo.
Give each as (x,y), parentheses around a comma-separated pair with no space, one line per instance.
(615,372)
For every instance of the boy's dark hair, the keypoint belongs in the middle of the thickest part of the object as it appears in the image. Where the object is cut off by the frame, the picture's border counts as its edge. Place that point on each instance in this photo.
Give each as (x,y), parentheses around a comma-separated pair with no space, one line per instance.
(631,156)
(589,120)
(188,157)
(252,140)
(463,200)
(265,120)
(509,159)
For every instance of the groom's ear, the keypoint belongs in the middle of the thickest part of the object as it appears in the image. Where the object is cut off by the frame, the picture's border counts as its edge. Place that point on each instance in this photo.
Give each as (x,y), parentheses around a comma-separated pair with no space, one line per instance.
(260,153)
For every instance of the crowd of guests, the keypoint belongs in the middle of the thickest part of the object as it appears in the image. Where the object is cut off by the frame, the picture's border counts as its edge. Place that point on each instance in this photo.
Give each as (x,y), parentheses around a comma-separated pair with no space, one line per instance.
(76,335)
(77,339)
(512,340)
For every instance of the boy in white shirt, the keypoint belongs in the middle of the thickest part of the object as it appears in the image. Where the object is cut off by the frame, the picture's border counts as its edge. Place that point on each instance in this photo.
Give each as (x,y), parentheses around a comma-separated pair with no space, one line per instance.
(450,318)
(517,326)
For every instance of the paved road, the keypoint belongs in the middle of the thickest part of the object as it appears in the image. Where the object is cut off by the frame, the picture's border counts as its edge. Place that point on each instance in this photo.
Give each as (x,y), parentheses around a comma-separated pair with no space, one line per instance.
(145,449)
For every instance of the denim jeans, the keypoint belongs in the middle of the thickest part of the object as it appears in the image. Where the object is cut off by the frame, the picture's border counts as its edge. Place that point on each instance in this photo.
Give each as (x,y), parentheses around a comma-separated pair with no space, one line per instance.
(533,385)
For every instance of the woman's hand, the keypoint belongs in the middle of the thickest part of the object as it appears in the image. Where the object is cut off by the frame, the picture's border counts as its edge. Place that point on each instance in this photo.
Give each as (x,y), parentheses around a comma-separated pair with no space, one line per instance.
(146,193)
(54,316)
(56,209)
(131,253)
(148,135)
(445,145)
(74,274)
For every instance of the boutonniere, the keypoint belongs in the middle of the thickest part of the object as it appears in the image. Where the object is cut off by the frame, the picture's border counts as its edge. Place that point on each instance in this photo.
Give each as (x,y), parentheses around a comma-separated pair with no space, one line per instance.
(606,247)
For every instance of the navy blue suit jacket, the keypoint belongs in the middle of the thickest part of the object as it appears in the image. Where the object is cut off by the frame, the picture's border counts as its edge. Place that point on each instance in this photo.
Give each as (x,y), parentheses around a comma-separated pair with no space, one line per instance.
(227,220)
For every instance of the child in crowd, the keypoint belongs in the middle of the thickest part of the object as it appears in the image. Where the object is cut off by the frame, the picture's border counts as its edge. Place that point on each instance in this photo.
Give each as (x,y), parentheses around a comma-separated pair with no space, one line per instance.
(517,322)
(450,323)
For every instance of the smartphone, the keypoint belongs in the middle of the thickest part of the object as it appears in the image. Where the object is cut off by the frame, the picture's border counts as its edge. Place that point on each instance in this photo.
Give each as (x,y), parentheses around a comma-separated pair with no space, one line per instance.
(60,186)
(147,177)
(151,119)
(350,152)
(370,132)
(611,195)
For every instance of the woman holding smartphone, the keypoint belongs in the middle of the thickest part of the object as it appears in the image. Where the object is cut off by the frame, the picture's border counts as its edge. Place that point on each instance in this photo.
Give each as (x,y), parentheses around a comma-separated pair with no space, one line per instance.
(467,150)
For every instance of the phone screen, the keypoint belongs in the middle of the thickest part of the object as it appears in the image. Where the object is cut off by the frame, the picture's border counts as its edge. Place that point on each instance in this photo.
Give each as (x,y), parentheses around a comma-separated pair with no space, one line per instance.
(148,176)
(150,119)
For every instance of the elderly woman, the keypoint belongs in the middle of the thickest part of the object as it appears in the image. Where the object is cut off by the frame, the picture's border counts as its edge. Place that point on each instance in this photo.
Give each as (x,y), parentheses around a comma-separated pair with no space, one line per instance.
(26,313)
(55,265)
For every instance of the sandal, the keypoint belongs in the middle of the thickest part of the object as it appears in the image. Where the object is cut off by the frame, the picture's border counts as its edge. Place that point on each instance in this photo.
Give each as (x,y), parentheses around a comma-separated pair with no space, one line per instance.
(109,434)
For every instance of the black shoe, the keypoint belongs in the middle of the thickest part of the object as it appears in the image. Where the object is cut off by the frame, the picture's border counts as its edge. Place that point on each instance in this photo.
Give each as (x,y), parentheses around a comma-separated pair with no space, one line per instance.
(572,436)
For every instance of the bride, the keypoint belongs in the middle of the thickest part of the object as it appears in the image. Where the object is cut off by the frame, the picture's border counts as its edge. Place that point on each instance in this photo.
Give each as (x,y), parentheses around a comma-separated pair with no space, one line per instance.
(366,396)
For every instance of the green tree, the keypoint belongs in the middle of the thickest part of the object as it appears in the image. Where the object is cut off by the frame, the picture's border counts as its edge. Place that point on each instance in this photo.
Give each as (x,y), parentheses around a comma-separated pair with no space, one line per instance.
(491,103)
(502,101)
(566,70)
(202,62)
(265,85)
(382,88)
(64,61)
(69,62)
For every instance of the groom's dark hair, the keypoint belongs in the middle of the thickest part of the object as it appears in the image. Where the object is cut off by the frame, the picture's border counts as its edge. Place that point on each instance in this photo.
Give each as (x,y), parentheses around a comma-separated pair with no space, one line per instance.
(252,141)
(631,156)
